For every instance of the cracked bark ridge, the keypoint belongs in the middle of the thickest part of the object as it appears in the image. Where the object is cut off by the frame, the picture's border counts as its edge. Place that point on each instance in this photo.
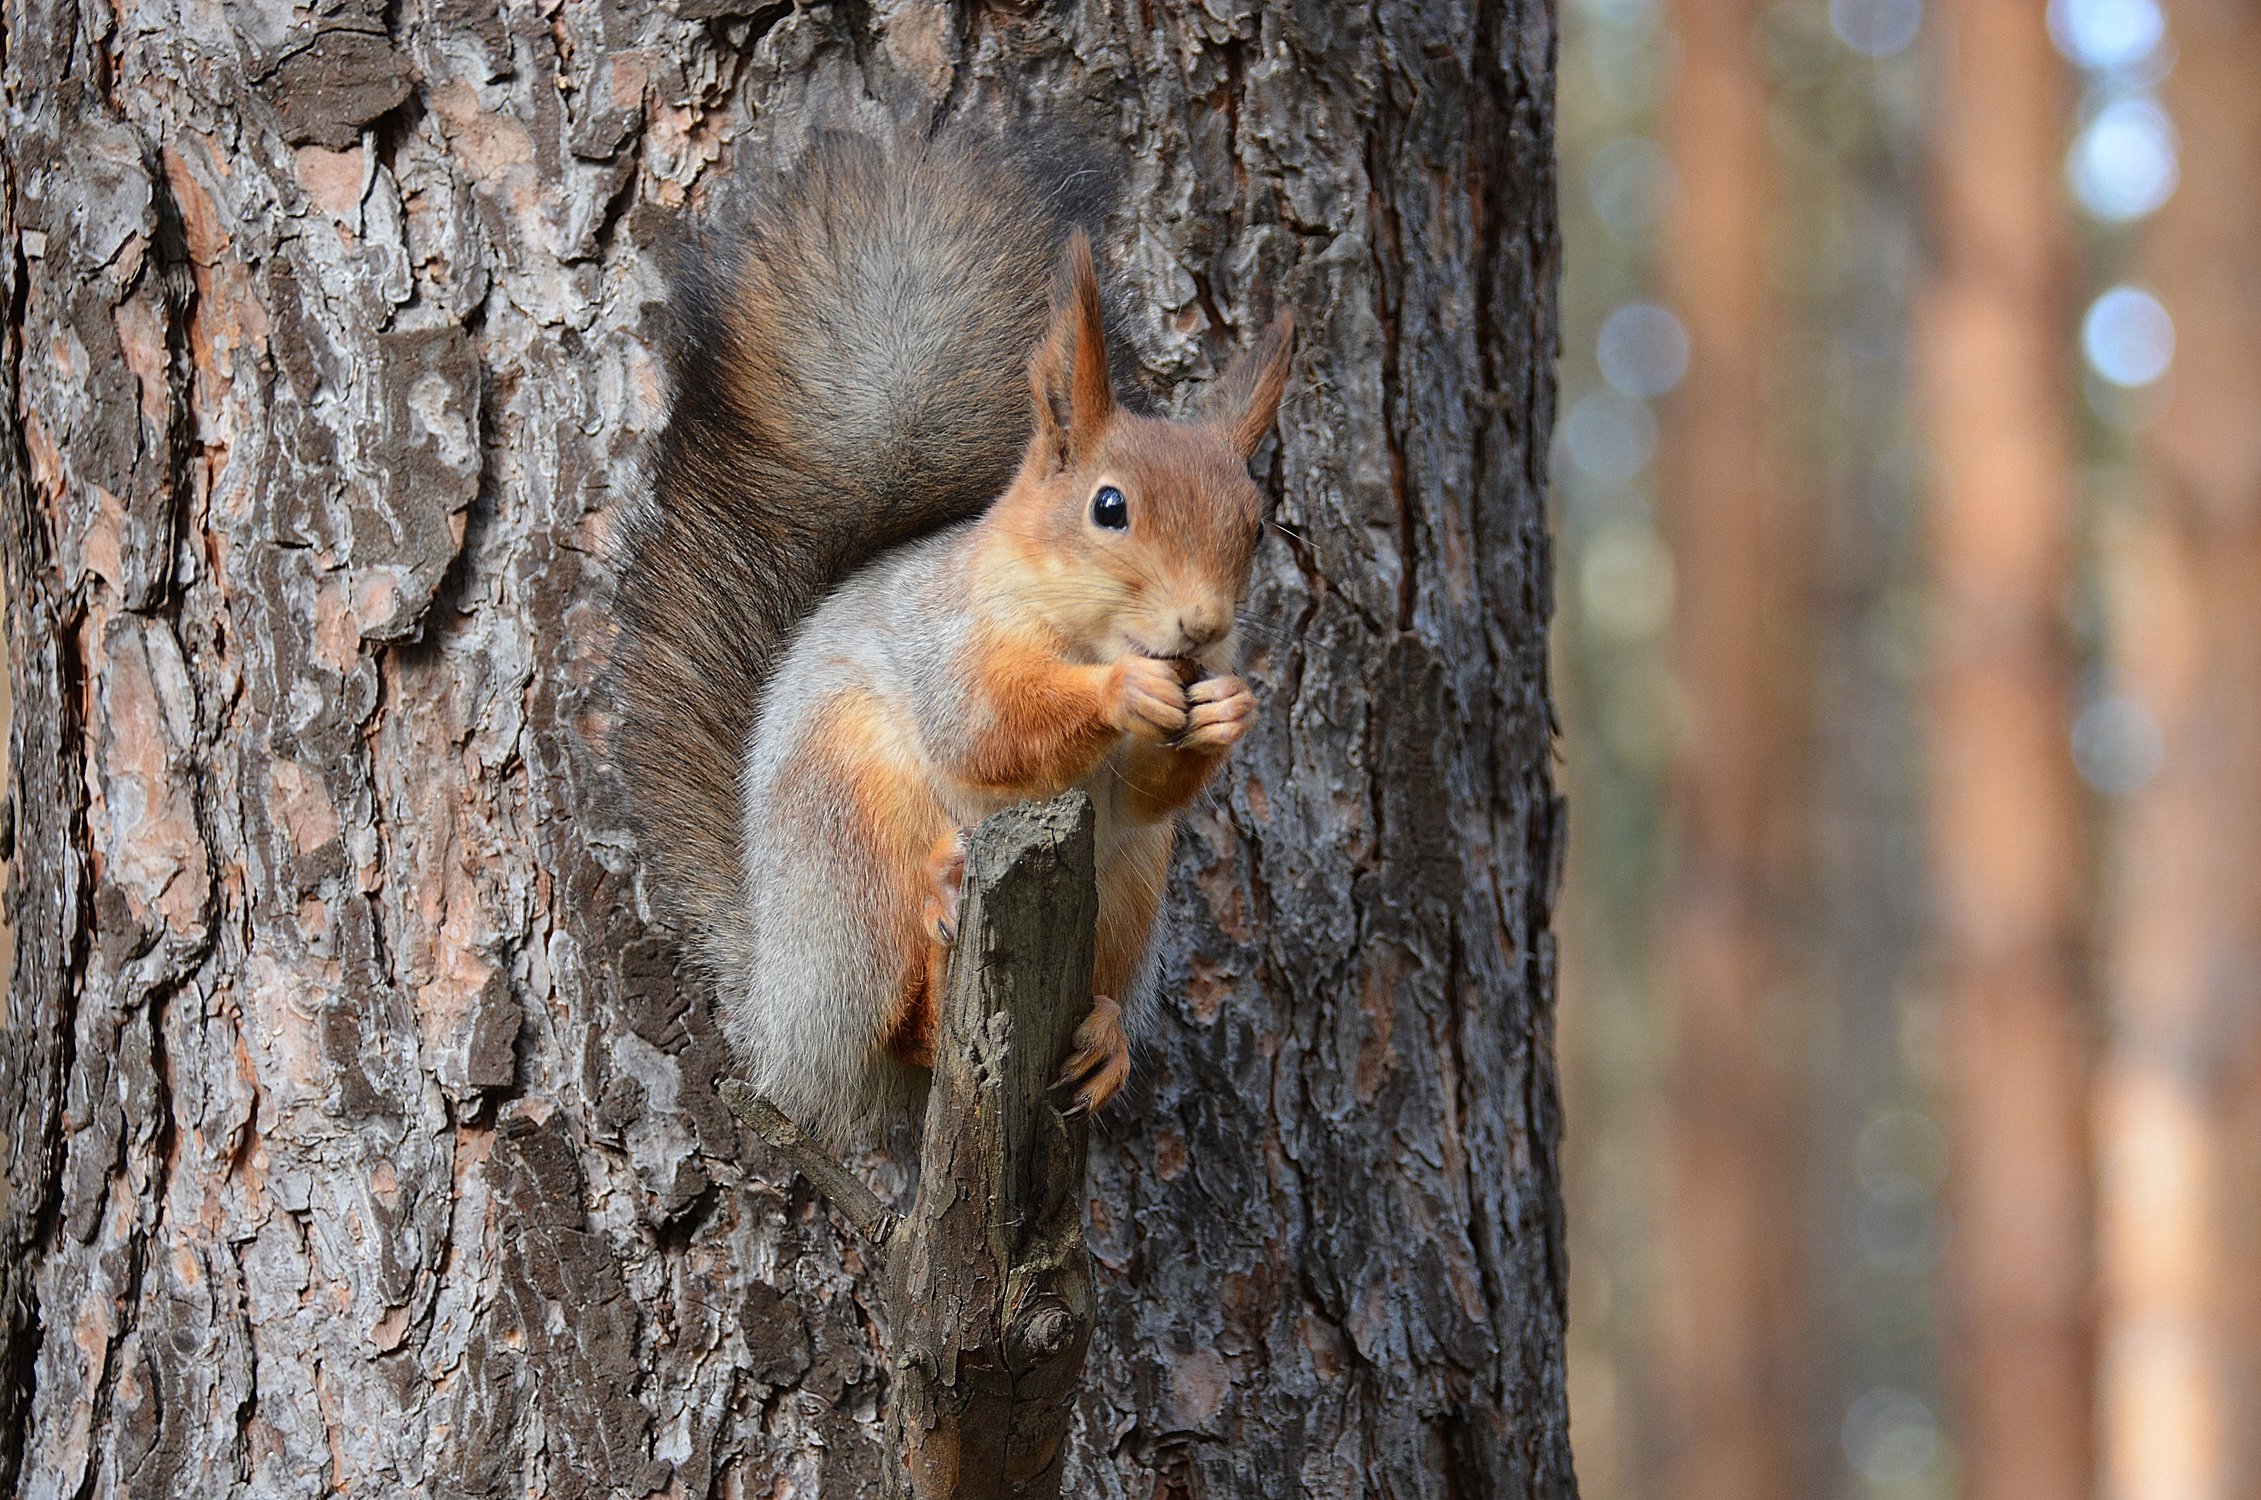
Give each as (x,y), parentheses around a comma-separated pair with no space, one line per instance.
(988,1285)
(358,1135)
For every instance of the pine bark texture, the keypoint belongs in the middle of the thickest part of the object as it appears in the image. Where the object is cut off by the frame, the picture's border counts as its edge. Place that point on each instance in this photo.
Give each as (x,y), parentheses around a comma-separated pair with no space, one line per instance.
(1737,1366)
(2180,1125)
(358,1137)
(2007,810)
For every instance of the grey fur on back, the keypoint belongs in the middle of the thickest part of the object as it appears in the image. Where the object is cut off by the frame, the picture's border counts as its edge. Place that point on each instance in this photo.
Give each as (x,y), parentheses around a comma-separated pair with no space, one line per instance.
(848,362)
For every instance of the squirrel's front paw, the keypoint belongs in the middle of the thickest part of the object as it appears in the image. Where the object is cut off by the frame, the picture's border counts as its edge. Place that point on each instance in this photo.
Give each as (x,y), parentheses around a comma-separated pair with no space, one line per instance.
(1223,710)
(946,883)
(1146,698)
(1099,1063)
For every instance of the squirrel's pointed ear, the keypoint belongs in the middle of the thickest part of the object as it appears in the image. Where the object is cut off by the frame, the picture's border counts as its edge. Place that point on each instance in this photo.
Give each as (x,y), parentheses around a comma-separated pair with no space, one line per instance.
(1242,402)
(1074,393)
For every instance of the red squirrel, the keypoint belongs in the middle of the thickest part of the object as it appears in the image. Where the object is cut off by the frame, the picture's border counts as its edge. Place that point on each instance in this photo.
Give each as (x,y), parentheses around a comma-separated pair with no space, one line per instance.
(904,558)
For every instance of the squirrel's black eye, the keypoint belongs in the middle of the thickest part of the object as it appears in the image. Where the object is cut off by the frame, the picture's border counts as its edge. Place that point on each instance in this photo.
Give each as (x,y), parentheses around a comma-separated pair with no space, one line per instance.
(1109,510)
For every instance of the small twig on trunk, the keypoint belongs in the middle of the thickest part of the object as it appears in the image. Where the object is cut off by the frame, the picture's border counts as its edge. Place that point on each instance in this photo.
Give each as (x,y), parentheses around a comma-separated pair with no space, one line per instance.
(874,1220)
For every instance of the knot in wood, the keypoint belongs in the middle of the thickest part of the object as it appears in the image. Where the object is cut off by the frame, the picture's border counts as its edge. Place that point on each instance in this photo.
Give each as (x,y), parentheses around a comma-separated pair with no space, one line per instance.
(1045,1330)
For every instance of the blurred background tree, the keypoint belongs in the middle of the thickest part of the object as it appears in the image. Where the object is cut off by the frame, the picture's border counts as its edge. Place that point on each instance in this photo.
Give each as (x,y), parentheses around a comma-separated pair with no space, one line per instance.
(1909,497)
(2182,1116)
(1737,538)
(2006,813)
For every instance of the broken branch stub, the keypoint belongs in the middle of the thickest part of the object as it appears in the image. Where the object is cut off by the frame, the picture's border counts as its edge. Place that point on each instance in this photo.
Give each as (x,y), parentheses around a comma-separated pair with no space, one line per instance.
(988,1283)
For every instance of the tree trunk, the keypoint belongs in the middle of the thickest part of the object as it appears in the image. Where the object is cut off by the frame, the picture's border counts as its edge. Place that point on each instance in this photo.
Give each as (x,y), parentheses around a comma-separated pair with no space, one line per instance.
(1736,1366)
(2006,808)
(2181,1179)
(358,1137)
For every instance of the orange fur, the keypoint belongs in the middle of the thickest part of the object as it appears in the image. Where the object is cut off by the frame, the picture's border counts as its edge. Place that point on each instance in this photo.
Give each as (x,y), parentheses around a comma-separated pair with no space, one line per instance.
(1162,780)
(1130,891)
(917,1025)
(900,821)
(1048,718)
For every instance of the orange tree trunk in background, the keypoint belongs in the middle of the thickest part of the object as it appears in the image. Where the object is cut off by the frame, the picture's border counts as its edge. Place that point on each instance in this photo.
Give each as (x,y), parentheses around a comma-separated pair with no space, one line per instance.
(2006,806)
(2181,1117)
(1734,1284)
(357,1136)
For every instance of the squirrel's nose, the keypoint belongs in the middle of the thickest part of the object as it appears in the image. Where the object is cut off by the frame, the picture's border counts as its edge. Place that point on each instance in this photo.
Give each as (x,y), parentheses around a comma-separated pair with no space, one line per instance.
(1201,626)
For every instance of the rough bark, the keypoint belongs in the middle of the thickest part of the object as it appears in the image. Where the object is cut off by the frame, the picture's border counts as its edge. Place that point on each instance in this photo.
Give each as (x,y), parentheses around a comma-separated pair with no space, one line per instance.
(358,1136)
(2181,1104)
(2007,812)
(1737,1366)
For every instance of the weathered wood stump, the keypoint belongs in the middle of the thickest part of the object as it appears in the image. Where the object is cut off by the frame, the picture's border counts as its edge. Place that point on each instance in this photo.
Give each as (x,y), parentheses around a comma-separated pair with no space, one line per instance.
(987,1285)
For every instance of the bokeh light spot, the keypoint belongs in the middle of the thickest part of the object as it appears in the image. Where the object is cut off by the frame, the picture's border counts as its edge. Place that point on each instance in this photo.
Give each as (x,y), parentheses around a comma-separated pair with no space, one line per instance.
(1890,1437)
(1901,1157)
(2104,34)
(1876,28)
(1621,12)
(2127,336)
(1643,349)
(1625,583)
(1611,437)
(1901,1239)
(1629,182)
(2123,165)
(2117,745)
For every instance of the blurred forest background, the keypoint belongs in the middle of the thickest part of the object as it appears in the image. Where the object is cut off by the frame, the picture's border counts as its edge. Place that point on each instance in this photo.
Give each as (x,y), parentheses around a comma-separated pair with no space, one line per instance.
(1909,487)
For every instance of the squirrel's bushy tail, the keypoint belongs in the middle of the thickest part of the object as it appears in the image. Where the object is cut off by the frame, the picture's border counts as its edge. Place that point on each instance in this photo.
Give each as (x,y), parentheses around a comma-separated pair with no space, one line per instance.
(849,362)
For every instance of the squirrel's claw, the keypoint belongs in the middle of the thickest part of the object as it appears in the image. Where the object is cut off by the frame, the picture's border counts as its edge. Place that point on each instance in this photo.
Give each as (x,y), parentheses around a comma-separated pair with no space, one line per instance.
(1100,1062)
(946,881)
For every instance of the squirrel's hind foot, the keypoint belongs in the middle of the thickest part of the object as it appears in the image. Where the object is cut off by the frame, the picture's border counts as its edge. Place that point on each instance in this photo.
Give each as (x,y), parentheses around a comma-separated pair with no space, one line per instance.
(1100,1062)
(946,884)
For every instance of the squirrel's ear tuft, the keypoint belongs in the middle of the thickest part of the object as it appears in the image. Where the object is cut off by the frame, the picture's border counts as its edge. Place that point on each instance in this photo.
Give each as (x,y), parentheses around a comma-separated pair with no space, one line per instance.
(1074,393)
(1242,402)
